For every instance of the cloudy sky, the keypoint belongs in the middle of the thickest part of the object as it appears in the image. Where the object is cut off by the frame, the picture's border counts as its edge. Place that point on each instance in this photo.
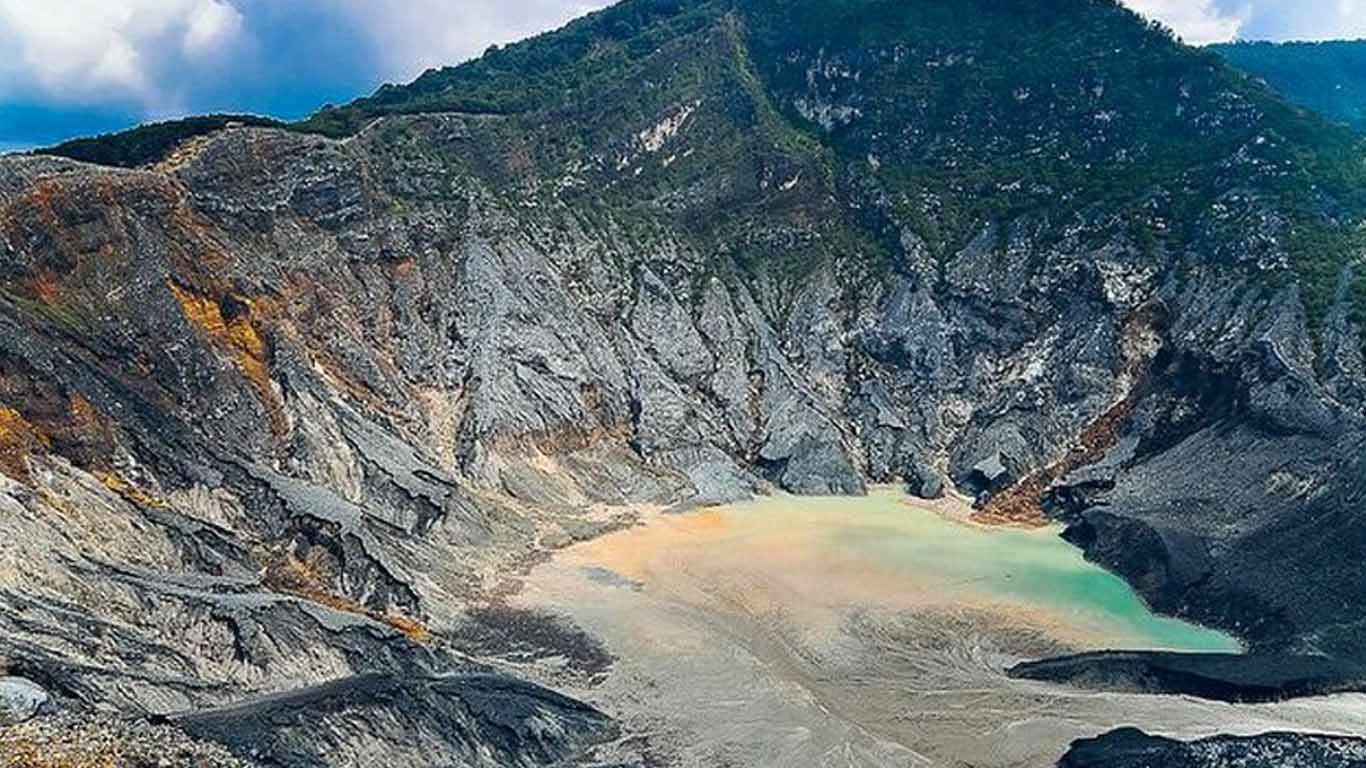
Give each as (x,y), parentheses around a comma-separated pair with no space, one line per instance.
(76,67)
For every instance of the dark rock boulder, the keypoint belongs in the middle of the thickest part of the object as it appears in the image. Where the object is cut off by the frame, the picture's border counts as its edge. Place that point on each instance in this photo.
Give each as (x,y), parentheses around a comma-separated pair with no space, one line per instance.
(1225,677)
(20,700)
(1132,748)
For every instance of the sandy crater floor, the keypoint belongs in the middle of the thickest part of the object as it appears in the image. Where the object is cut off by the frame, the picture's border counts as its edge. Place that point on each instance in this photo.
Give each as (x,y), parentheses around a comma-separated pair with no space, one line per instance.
(867,632)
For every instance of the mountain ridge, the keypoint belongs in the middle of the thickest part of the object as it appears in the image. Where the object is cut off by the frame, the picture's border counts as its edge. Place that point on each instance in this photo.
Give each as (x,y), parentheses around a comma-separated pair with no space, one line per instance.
(972,190)
(1323,76)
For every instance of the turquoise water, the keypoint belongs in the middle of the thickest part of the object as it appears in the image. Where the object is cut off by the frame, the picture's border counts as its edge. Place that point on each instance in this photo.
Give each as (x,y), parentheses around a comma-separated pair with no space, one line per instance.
(1032,570)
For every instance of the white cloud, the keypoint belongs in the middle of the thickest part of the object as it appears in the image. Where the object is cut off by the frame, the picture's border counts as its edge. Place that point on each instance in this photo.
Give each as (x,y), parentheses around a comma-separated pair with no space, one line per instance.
(109,50)
(1301,20)
(1197,21)
(413,35)
(158,57)
(1211,21)
(210,26)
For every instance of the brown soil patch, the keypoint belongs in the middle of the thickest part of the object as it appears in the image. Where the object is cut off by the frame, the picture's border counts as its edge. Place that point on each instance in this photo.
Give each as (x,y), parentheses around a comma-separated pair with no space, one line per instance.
(18,441)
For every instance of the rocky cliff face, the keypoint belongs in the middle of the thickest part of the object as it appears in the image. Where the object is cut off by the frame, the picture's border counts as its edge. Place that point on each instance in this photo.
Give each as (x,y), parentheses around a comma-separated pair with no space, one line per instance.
(280,408)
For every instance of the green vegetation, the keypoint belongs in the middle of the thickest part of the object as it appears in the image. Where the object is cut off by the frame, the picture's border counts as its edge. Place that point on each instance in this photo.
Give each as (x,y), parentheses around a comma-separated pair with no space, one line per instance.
(149,143)
(545,72)
(1329,78)
(1078,115)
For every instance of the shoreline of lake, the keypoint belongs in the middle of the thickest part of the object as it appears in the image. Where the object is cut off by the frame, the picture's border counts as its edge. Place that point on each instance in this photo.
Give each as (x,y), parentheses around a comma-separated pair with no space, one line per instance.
(771,631)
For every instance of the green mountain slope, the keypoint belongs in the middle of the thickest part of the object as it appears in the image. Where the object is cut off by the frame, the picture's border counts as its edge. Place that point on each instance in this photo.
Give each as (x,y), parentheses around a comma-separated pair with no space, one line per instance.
(1328,77)
(977,111)
(151,142)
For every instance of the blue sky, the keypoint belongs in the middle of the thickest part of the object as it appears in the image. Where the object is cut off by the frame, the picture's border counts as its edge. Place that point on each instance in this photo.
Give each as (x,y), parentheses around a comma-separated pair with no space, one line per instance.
(1206,21)
(79,67)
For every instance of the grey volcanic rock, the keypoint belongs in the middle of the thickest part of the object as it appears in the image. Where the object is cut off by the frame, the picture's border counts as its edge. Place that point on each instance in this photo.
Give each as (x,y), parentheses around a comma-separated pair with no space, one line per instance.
(1224,677)
(1182,532)
(1131,748)
(467,720)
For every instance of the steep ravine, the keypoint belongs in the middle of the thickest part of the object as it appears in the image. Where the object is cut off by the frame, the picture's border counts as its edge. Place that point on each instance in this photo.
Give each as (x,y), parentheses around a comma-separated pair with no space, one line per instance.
(283,409)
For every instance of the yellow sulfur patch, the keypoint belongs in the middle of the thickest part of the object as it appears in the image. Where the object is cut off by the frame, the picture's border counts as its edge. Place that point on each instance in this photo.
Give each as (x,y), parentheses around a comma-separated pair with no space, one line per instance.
(237,337)
(130,493)
(18,440)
